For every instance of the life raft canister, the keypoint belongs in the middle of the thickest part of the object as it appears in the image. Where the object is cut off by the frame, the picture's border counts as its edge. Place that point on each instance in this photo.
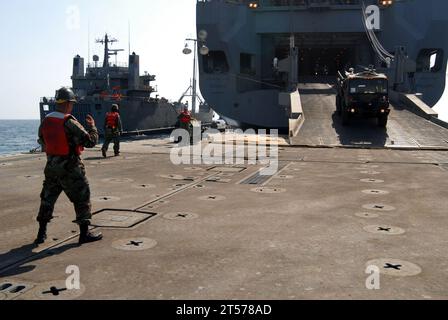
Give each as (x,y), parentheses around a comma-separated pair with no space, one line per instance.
(112,120)
(55,137)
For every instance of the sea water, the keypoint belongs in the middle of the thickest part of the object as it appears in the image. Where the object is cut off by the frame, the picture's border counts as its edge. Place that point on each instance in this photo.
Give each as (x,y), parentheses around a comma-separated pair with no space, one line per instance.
(18,136)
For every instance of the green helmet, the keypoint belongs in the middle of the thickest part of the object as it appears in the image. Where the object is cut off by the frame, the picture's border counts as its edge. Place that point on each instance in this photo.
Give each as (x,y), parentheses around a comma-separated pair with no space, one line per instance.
(65,95)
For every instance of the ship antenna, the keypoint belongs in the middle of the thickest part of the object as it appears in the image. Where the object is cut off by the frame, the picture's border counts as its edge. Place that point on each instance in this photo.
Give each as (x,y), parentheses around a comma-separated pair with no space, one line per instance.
(107,52)
(88,42)
(129,37)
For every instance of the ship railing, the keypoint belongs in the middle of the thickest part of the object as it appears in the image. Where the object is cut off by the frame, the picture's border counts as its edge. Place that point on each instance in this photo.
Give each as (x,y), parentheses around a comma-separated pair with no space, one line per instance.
(52,100)
(98,98)
(118,65)
(111,65)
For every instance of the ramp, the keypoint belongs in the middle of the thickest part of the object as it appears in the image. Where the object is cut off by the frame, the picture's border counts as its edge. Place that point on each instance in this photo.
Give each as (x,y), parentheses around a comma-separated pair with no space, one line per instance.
(323,126)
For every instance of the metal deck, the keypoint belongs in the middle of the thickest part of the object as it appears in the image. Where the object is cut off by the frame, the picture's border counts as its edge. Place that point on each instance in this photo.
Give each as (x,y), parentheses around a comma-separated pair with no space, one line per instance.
(309,232)
(323,127)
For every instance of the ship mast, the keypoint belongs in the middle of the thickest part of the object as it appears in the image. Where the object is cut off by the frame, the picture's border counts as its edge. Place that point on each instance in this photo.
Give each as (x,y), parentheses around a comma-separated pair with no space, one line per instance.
(107,52)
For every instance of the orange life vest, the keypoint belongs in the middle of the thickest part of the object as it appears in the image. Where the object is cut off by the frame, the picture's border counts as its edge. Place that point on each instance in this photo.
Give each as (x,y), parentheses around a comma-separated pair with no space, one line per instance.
(185,117)
(55,137)
(112,120)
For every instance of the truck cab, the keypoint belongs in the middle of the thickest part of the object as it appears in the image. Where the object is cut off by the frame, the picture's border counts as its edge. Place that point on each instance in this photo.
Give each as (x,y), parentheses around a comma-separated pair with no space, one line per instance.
(364,94)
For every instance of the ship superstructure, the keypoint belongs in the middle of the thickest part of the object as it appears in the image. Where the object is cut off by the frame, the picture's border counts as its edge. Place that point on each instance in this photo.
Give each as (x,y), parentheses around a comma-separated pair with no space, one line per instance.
(100,85)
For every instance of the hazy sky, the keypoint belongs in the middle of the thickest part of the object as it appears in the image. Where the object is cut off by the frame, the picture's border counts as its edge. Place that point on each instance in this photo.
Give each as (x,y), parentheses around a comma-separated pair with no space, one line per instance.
(40,39)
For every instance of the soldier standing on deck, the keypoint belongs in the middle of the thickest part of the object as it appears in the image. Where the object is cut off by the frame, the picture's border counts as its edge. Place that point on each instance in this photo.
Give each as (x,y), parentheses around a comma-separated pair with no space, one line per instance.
(185,119)
(112,131)
(64,139)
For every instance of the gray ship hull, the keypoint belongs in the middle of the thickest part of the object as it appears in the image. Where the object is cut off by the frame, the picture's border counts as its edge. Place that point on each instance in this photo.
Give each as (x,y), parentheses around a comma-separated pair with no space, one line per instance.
(99,87)
(238,79)
(136,116)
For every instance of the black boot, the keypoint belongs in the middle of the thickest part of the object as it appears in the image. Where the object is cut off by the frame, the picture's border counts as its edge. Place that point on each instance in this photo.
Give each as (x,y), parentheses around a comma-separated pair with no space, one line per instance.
(86,236)
(42,234)
(104,153)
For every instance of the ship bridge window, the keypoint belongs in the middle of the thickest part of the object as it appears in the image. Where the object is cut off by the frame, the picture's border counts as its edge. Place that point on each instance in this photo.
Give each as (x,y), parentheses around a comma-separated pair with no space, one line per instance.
(364,86)
(215,62)
(247,64)
(430,60)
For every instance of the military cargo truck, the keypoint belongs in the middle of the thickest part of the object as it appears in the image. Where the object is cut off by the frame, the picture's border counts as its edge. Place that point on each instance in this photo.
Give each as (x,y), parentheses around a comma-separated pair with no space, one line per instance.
(364,94)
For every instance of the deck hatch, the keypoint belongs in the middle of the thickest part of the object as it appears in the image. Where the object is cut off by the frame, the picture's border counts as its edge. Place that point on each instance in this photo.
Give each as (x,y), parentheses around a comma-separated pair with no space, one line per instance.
(115,218)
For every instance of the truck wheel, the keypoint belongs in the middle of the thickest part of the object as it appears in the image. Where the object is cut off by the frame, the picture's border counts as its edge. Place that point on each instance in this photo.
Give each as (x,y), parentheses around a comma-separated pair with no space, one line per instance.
(382,121)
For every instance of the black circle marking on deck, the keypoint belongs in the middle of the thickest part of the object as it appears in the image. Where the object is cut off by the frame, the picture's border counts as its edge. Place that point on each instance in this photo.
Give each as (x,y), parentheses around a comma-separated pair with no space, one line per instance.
(379,207)
(372,180)
(57,290)
(385,230)
(395,267)
(134,244)
(181,216)
(144,186)
(212,198)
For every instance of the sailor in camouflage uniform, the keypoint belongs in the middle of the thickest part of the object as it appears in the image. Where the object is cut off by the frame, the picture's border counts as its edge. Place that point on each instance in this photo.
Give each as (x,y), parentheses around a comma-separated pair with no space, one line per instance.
(64,139)
(113,129)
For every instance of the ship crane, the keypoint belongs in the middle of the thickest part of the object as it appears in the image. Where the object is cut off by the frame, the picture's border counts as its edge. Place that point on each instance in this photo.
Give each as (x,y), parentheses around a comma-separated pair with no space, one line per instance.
(399,61)
(189,93)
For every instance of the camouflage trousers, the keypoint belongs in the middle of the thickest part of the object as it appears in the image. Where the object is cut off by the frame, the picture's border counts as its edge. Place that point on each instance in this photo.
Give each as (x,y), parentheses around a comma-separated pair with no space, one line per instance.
(66,176)
(109,138)
(187,127)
